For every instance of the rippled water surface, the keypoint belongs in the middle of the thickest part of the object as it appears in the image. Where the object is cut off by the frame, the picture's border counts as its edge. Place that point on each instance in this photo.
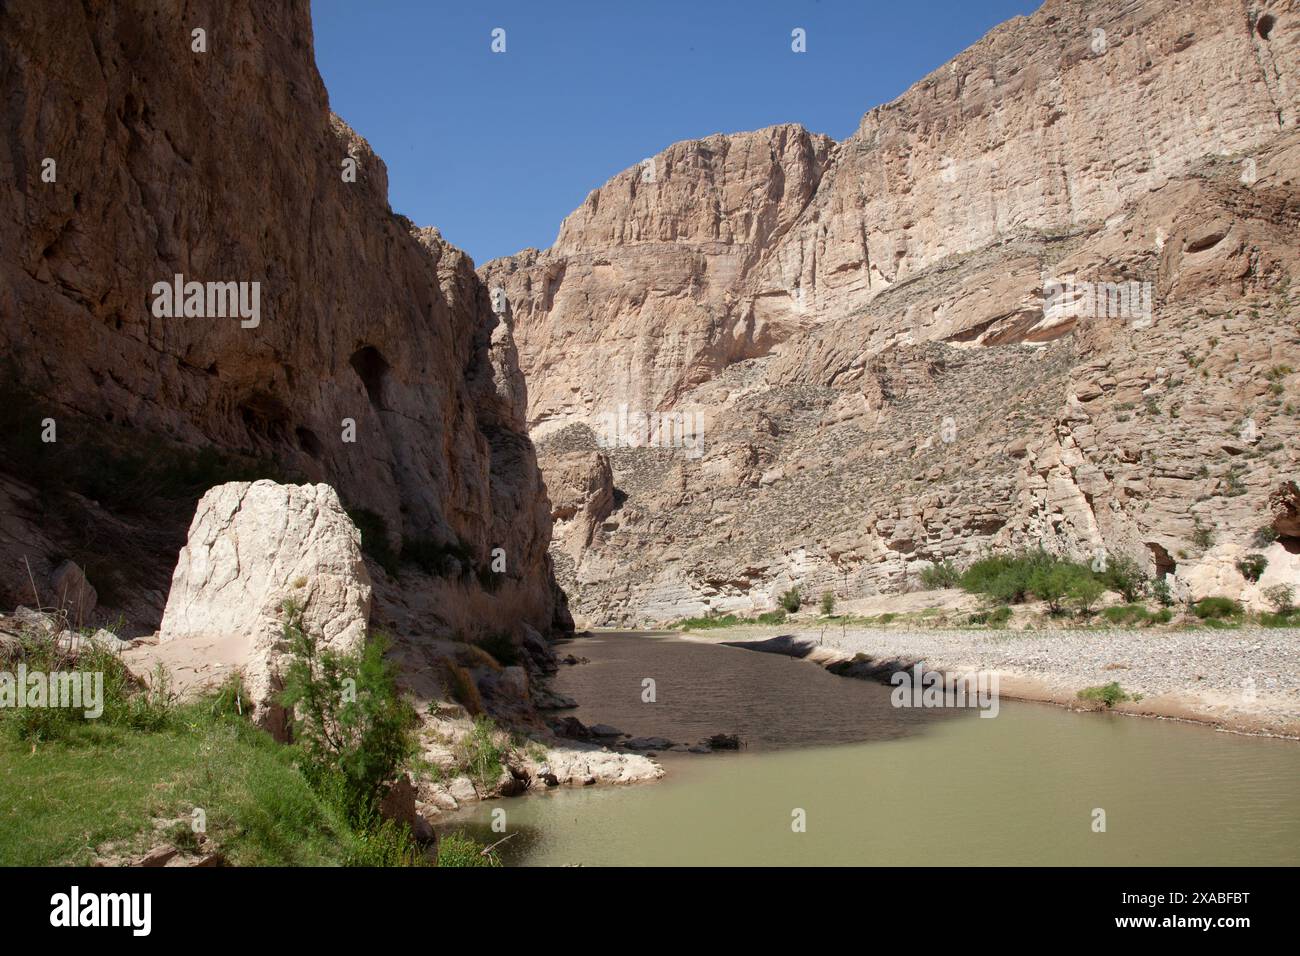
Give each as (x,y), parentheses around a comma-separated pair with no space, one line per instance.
(880,785)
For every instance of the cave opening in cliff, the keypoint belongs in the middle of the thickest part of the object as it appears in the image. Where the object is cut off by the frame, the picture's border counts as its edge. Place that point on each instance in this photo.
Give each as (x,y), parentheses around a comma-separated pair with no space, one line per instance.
(1264,27)
(372,369)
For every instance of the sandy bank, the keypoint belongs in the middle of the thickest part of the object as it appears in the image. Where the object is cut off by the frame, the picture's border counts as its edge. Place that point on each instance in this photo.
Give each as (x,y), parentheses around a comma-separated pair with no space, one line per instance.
(1246,680)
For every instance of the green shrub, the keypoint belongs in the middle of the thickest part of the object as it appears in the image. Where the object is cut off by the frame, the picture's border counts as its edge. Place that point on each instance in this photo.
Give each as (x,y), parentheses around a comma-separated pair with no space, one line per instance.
(1252,566)
(1125,576)
(1216,609)
(791,600)
(1162,616)
(1084,594)
(1108,694)
(1202,536)
(457,849)
(1127,614)
(1055,582)
(772,617)
(1161,591)
(828,603)
(941,575)
(1281,597)
(1264,536)
(707,622)
(126,702)
(353,729)
(1008,578)
(480,755)
(994,618)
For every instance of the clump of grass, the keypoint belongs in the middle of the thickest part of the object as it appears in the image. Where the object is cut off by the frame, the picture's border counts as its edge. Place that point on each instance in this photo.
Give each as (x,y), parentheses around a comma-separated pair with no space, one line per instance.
(1108,694)
(125,701)
(996,617)
(481,755)
(707,622)
(458,849)
(772,617)
(1217,609)
(461,687)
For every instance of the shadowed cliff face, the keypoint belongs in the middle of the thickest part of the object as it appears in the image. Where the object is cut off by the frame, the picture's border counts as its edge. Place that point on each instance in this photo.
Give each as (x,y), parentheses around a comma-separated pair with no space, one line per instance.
(895,343)
(375,363)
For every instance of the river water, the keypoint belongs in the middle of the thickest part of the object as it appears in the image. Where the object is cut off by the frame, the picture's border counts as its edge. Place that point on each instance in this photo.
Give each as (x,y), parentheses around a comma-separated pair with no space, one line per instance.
(879,785)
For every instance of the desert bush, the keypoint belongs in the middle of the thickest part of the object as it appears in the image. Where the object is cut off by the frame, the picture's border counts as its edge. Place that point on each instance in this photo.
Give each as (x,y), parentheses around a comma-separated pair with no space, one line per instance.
(1127,614)
(828,603)
(457,849)
(1058,581)
(1084,593)
(353,728)
(1161,591)
(791,600)
(1108,694)
(1216,608)
(1125,576)
(480,755)
(1264,536)
(1281,597)
(772,617)
(993,618)
(1252,566)
(941,575)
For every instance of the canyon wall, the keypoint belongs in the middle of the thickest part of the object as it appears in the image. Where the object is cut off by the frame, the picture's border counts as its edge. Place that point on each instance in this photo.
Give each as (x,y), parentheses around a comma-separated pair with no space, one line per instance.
(894,342)
(135,150)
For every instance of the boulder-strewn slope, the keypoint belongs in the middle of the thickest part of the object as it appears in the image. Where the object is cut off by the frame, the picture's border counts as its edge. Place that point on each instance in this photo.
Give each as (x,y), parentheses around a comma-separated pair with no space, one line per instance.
(890,372)
(377,365)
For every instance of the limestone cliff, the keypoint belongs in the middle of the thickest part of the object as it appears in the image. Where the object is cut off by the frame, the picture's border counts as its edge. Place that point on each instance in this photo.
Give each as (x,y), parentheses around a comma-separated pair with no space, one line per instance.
(1038,298)
(135,150)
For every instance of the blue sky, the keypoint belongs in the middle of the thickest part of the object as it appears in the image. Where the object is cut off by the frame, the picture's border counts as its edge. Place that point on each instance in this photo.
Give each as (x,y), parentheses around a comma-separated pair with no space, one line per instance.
(496,149)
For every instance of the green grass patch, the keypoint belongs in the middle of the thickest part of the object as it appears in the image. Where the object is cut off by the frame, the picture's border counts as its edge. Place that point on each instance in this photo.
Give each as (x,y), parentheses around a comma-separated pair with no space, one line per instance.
(1217,609)
(1108,694)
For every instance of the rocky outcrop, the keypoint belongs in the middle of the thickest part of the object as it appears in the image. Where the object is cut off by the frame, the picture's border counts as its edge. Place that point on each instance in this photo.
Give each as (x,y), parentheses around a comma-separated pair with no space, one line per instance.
(1043,297)
(252,550)
(374,362)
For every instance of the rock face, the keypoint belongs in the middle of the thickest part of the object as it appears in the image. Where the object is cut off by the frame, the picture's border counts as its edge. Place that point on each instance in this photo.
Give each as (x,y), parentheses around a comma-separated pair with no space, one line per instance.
(252,548)
(1045,296)
(374,362)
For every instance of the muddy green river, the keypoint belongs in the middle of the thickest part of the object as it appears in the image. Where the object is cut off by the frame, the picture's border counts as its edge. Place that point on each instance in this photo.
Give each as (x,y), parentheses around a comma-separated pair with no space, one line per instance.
(877,785)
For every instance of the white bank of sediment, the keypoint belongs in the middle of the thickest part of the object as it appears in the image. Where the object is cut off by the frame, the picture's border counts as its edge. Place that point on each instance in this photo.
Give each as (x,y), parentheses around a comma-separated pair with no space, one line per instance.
(1245,680)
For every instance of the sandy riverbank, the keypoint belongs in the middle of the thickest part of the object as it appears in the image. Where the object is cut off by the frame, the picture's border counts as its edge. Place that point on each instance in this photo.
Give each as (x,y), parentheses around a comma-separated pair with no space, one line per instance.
(1246,680)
